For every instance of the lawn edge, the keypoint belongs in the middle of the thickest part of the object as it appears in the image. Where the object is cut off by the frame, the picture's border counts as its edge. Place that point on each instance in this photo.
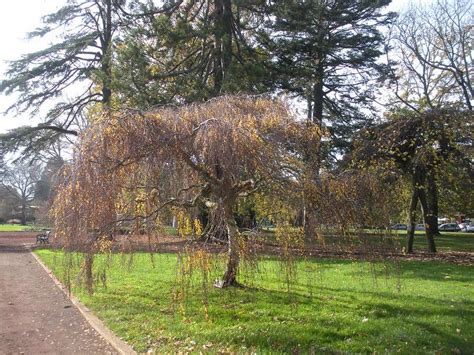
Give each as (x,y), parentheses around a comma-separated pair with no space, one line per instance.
(120,345)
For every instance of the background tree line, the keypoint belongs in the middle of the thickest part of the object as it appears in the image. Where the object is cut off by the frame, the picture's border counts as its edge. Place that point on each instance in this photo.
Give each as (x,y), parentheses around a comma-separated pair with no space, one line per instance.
(339,59)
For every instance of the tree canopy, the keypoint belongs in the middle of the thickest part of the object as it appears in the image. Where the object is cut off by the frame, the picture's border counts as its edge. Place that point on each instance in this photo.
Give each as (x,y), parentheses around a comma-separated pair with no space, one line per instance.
(420,145)
(326,53)
(163,117)
(131,165)
(433,53)
(19,181)
(195,51)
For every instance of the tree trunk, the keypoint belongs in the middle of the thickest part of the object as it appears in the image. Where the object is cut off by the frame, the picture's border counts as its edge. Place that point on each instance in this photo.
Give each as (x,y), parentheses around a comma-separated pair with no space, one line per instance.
(309,103)
(222,42)
(412,218)
(106,47)
(432,198)
(227,36)
(23,213)
(230,276)
(427,218)
(310,221)
(311,189)
(419,178)
(218,77)
(318,95)
(89,276)
(313,157)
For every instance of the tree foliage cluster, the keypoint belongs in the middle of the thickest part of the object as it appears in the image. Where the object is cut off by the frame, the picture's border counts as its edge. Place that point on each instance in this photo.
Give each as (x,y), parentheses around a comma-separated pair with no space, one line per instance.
(26,189)
(140,55)
(131,166)
(19,184)
(421,146)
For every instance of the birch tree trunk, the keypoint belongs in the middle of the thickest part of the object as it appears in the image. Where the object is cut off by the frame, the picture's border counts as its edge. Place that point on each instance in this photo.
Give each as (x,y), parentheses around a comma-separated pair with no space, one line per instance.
(230,276)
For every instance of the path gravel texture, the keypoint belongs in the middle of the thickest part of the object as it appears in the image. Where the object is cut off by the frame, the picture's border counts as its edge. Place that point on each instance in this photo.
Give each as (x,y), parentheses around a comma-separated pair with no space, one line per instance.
(36,317)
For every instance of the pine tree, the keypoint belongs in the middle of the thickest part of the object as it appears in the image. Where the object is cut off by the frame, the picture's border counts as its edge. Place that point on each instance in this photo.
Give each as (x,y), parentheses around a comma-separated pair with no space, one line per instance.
(326,54)
(82,54)
(195,51)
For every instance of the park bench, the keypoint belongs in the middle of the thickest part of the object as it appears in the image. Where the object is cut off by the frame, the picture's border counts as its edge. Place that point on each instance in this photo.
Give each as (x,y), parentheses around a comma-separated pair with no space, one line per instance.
(43,238)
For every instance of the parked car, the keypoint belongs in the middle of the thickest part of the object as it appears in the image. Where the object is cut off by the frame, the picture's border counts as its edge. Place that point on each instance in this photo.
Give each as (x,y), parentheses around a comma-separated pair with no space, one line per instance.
(449,227)
(399,227)
(469,229)
(420,227)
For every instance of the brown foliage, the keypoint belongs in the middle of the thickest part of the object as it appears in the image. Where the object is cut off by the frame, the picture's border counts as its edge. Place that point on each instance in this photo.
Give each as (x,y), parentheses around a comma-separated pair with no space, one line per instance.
(130,166)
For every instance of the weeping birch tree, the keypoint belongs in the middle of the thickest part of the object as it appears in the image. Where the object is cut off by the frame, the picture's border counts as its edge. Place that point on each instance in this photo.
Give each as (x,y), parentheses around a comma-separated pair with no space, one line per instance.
(131,166)
(420,146)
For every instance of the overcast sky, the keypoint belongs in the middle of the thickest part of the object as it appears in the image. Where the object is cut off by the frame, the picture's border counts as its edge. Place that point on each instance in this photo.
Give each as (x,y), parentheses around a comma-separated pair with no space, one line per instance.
(17,17)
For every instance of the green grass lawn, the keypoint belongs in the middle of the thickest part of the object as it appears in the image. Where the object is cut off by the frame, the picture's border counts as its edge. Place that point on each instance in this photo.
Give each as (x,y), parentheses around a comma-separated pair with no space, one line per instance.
(334,306)
(447,241)
(13,228)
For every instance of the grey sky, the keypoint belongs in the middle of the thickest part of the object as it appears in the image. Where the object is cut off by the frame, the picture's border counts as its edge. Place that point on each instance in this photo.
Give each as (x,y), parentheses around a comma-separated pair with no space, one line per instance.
(17,17)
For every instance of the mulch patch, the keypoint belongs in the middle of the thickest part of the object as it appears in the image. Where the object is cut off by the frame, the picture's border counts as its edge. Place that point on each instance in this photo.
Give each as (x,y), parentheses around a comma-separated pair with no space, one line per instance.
(16,241)
(174,244)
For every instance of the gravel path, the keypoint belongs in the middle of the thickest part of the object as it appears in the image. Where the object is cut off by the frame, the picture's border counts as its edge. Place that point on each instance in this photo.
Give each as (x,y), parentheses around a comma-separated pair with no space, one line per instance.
(36,317)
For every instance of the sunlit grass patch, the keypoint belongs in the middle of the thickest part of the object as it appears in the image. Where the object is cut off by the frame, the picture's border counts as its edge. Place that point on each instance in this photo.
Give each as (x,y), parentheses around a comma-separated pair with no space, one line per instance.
(332,306)
(14,228)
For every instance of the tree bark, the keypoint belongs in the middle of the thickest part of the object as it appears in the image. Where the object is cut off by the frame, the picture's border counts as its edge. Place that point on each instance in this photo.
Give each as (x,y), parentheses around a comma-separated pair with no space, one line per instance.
(412,219)
(218,77)
(426,218)
(106,45)
(313,156)
(88,272)
(226,36)
(432,192)
(318,95)
(222,42)
(23,213)
(312,186)
(310,221)
(419,182)
(230,276)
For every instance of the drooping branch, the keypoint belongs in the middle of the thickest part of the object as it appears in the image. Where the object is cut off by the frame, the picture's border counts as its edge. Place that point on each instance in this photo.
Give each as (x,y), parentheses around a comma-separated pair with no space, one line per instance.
(137,165)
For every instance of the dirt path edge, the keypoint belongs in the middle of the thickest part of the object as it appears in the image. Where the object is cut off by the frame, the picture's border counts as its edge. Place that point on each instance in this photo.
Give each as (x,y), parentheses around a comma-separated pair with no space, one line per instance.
(121,346)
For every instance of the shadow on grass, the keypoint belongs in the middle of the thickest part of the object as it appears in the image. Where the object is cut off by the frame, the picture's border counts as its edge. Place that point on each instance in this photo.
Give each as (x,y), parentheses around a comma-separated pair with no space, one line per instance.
(342,311)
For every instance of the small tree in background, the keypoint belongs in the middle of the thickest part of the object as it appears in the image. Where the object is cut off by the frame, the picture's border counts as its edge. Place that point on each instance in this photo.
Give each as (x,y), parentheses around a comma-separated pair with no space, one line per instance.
(433,47)
(420,145)
(20,182)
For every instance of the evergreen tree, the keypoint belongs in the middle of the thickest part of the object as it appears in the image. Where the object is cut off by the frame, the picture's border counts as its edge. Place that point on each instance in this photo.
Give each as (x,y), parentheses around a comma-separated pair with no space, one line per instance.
(193,52)
(326,53)
(82,54)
